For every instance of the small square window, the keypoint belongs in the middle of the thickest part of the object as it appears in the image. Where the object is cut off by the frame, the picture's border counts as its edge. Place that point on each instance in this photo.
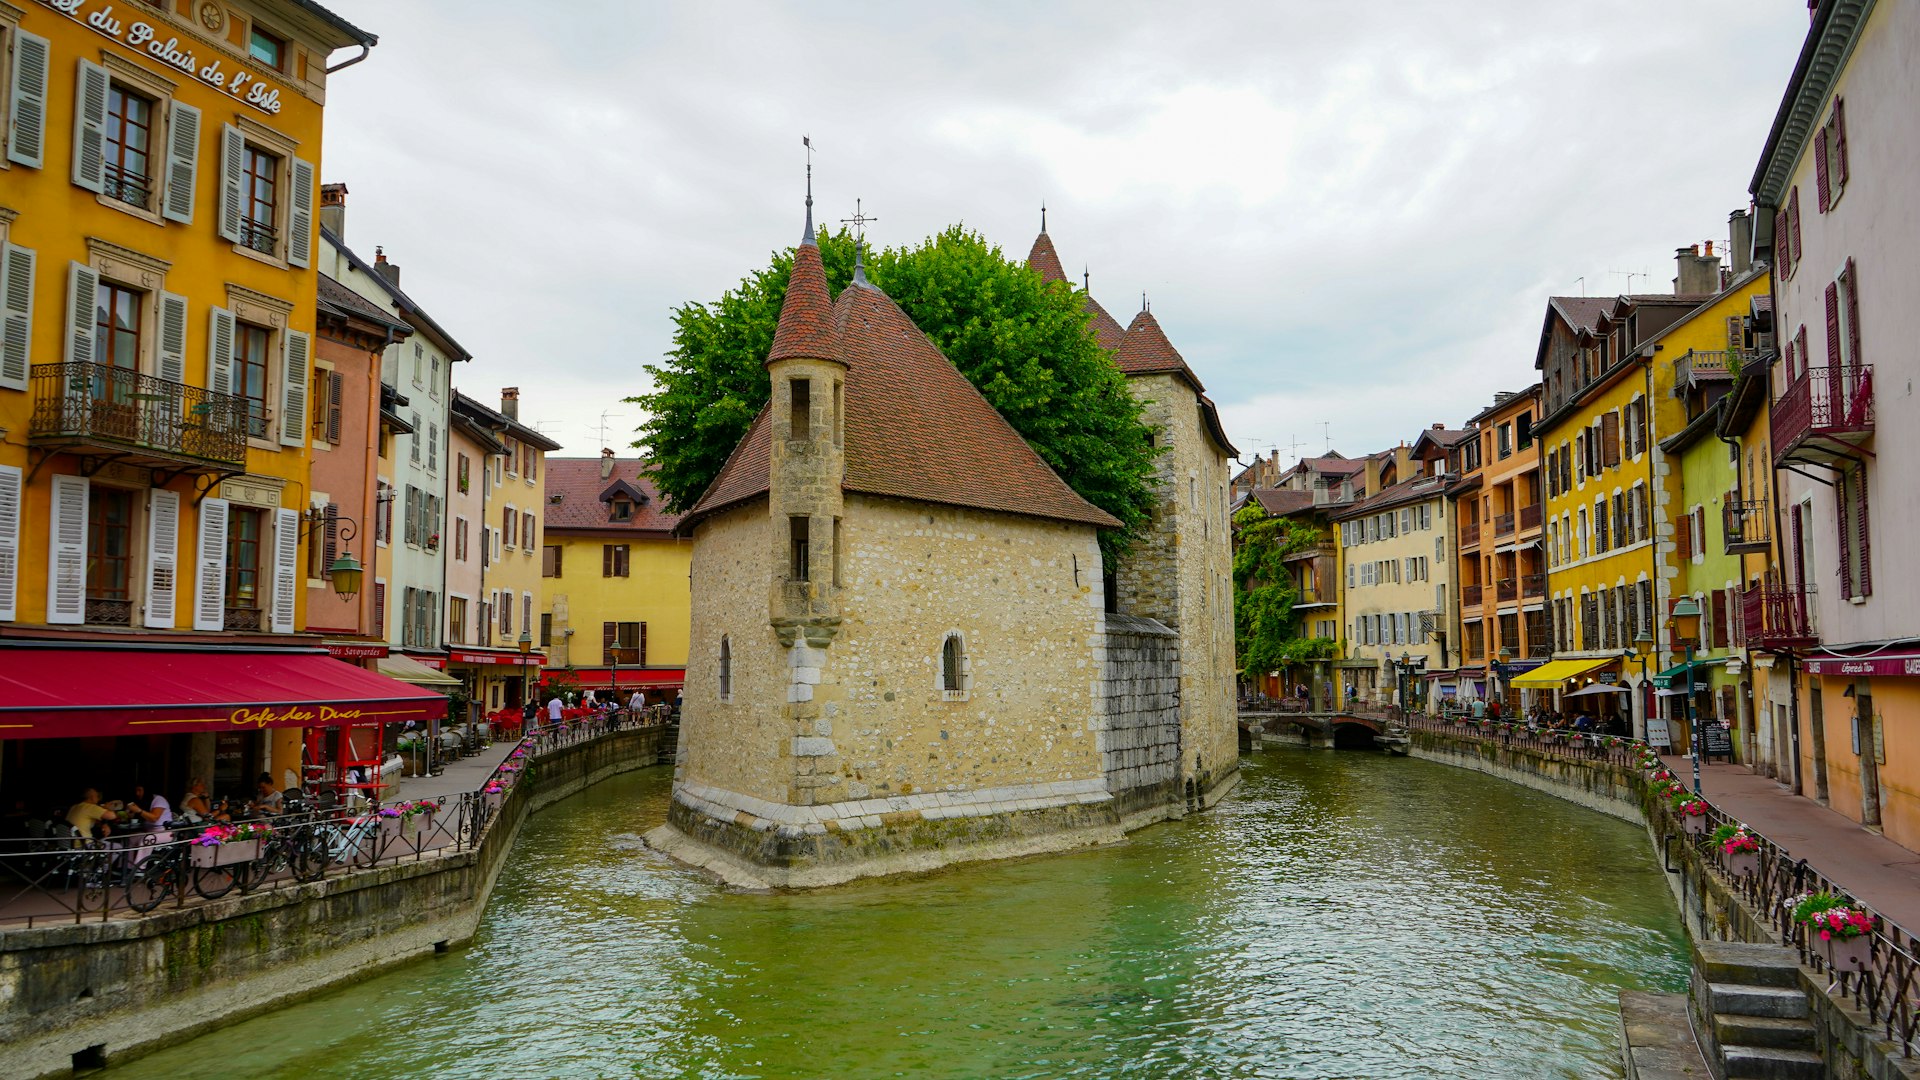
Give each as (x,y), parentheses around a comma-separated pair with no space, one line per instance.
(268,49)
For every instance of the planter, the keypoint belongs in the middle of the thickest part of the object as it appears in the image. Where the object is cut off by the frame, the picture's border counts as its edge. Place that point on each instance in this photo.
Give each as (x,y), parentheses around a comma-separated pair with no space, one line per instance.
(227,854)
(492,799)
(1696,824)
(1743,863)
(1848,955)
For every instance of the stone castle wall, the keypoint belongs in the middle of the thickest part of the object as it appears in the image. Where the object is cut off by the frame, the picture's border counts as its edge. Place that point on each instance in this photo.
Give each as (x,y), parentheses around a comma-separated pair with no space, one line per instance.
(1140,747)
(742,744)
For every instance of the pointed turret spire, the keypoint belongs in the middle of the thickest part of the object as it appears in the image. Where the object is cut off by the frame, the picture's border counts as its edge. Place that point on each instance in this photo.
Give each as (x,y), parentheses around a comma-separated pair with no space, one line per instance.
(1043,216)
(859,222)
(807,237)
(806,315)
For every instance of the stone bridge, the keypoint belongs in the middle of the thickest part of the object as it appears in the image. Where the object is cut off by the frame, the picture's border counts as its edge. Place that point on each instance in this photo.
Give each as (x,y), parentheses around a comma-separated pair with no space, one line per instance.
(1343,729)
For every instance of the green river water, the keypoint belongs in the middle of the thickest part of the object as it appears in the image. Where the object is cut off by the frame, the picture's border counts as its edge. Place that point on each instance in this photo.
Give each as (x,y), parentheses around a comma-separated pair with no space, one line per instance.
(1338,915)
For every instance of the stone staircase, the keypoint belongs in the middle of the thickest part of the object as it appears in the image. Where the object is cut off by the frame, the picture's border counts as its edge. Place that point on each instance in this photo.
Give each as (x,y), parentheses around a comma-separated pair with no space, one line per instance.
(1751,1006)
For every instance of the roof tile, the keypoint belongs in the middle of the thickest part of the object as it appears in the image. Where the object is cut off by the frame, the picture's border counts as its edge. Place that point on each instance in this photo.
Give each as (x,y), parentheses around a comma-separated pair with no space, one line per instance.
(806,315)
(574,487)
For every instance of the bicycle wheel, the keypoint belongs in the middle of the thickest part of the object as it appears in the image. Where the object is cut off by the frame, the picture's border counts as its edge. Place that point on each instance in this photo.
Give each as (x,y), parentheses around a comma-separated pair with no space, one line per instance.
(309,858)
(152,884)
(214,882)
(365,849)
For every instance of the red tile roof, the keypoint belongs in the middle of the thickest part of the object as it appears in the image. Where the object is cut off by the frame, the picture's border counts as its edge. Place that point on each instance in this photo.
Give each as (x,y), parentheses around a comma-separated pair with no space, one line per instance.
(1146,351)
(1106,329)
(806,315)
(1581,312)
(915,429)
(574,487)
(1044,261)
(1280,501)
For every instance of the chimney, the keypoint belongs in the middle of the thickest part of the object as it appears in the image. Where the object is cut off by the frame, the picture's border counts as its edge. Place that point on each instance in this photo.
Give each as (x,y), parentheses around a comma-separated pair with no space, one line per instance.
(1403,462)
(1321,495)
(333,209)
(606,464)
(1698,274)
(1372,475)
(510,402)
(390,271)
(1740,238)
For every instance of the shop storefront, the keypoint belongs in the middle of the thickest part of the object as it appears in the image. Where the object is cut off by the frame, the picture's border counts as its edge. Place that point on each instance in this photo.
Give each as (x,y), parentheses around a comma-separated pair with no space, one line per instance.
(659,685)
(1586,688)
(495,679)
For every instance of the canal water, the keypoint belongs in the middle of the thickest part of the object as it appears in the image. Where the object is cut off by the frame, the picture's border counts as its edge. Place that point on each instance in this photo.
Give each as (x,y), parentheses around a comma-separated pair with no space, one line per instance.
(1339,915)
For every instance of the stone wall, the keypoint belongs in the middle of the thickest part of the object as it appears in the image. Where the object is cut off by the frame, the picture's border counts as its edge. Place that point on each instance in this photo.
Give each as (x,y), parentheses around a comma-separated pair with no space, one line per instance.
(1140,747)
(130,986)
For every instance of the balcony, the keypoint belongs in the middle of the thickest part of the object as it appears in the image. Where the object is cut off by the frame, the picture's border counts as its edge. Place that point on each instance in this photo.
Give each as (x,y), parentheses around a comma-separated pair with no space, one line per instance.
(1506,589)
(1749,527)
(1502,525)
(1530,516)
(1823,415)
(101,410)
(1778,616)
(1469,596)
(1698,367)
(1323,549)
(1539,637)
(1533,585)
(1469,534)
(1311,598)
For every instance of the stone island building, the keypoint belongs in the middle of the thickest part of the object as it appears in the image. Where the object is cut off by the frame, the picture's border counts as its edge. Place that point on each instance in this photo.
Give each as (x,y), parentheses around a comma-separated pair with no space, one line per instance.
(900,654)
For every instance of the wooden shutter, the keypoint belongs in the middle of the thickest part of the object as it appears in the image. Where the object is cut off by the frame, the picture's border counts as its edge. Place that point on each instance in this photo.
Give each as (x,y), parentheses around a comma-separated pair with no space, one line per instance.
(11,482)
(606,560)
(331,550)
(296,351)
(1793,220)
(1861,530)
(1800,353)
(286,568)
(1842,507)
(1683,537)
(67,552)
(300,214)
(16,315)
(163,557)
(83,301)
(1854,357)
(233,152)
(1833,336)
(1782,244)
(90,127)
(173,337)
(609,640)
(1839,145)
(1820,169)
(210,567)
(1610,438)
(220,336)
(27,100)
(183,162)
(380,609)
(336,387)
(1719,604)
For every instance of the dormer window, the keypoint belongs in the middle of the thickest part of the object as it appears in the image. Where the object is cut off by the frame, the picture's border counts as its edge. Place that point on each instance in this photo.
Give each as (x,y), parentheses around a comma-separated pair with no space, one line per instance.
(622,509)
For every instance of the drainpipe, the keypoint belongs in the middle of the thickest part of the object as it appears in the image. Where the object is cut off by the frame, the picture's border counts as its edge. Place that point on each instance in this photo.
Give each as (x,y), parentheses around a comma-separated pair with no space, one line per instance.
(364,49)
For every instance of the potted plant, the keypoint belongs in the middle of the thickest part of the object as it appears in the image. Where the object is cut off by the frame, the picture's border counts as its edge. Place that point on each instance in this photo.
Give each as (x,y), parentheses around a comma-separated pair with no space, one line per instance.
(1741,848)
(1692,812)
(433,541)
(493,794)
(226,845)
(1845,930)
(405,818)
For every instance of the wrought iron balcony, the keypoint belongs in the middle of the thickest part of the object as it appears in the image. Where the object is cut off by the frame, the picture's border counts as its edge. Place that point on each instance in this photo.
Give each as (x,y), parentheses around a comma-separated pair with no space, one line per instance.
(1503,525)
(260,236)
(1778,616)
(1470,596)
(1530,516)
(1506,589)
(141,419)
(1749,527)
(1823,415)
(1533,584)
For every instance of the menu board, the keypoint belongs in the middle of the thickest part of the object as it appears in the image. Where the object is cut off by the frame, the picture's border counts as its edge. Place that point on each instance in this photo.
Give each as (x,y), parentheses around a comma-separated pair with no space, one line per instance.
(1717,740)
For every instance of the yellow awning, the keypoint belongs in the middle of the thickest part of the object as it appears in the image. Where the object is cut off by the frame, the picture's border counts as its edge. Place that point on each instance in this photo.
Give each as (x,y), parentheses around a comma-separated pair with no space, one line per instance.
(1554,673)
(408,670)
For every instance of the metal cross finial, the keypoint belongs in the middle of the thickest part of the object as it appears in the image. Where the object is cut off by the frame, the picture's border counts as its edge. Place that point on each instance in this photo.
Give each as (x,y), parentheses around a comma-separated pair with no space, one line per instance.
(1144,305)
(1043,215)
(858,221)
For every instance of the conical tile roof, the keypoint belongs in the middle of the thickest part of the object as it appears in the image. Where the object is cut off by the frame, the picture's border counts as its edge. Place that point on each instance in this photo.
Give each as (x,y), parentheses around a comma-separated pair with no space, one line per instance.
(806,315)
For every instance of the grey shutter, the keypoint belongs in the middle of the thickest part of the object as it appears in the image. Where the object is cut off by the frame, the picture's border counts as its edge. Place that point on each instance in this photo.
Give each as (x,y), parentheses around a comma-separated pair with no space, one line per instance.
(83,307)
(11,481)
(163,557)
(27,101)
(16,315)
(297,359)
(233,152)
(173,337)
(300,215)
(90,127)
(220,334)
(183,162)
(286,568)
(67,552)
(210,567)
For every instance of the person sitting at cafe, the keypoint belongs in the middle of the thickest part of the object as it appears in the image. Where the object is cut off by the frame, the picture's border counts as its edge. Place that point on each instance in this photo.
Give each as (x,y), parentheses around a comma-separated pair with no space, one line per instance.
(152,809)
(88,814)
(196,805)
(267,799)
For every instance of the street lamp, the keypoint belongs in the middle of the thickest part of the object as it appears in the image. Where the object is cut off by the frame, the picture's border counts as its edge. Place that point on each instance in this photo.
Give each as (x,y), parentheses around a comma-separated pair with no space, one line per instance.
(1684,621)
(1642,647)
(1500,662)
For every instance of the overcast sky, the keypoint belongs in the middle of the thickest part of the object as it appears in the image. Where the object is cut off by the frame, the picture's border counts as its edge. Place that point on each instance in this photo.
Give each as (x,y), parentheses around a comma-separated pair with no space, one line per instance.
(1345,214)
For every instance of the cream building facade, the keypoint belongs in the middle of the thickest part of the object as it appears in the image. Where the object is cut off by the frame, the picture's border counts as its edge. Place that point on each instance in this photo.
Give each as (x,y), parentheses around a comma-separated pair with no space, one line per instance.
(1396,548)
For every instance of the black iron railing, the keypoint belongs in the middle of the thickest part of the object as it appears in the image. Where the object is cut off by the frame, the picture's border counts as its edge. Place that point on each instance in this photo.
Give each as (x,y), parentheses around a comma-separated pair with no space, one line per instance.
(119,408)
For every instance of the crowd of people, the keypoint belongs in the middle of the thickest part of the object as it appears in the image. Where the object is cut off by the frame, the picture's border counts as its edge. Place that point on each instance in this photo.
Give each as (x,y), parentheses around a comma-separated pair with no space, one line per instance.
(143,810)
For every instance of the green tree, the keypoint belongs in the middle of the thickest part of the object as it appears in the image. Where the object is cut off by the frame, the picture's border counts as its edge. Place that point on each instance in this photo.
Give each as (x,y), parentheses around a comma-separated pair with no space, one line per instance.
(1023,342)
(1267,634)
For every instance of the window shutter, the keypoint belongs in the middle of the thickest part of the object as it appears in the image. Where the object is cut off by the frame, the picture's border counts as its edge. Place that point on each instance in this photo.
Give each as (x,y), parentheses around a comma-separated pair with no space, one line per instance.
(233,151)
(210,567)
(1820,169)
(1842,505)
(90,128)
(336,387)
(1793,220)
(1860,530)
(286,568)
(1782,244)
(83,303)
(1800,352)
(173,337)
(220,335)
(606,560)
(1719,618)
(1683,537)
(300,214)
(380,609)
(1839,147)
(67,552)
(27,101)
(1854,358)
(183,162)
(163,557)
(332,549)
(11,481)
(16,315)
(1610,438)
(297,360)
(1833,331)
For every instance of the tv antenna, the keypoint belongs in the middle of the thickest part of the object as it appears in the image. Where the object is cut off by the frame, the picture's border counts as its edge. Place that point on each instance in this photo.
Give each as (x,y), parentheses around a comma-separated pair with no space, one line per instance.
(1326,432)
(600,432)
(1630,275)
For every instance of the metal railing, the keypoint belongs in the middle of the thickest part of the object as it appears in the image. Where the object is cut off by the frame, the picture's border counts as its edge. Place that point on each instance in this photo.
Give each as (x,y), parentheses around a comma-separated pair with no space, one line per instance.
(1533,584)
(1469,596)
(1503,525)
(1776,616)
(259,236)
(1530,516)
(1748,527)
(1578,745)
(1506,589)
(1824,401)
(1469,534)
(1704,364)
(123,409)
(125,186)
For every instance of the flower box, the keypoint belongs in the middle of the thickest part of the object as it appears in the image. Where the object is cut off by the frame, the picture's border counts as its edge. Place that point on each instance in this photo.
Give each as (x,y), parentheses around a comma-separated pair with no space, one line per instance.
(1696,824)
(228,854)
(1849,955)
(1743,863)
(493,799)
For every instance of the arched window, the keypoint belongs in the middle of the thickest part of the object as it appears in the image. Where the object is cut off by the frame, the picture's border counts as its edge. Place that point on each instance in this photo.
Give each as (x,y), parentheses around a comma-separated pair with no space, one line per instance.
(726,669)
(953,668)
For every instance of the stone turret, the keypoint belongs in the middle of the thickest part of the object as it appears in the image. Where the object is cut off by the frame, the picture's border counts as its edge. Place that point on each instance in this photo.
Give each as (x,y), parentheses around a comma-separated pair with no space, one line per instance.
(806,456)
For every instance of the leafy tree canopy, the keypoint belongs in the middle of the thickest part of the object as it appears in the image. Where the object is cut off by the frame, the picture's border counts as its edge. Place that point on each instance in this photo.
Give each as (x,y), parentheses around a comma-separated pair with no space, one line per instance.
(1023,342)
(1266,632)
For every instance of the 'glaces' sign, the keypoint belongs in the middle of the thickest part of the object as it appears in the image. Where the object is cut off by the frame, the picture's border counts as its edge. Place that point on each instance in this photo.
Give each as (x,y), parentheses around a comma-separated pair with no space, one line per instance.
(142,35)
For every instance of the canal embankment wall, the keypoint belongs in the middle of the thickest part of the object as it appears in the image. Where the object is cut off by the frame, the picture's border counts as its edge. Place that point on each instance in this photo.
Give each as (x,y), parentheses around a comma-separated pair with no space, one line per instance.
(107,991)
(1850,1041)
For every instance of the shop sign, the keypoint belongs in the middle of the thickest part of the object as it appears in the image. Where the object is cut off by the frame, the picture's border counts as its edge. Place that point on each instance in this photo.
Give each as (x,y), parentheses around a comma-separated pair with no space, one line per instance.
(243,85)
(1659,733)
(464,656)
(1879,665)
(1611,678)
(357,652)
(318,715)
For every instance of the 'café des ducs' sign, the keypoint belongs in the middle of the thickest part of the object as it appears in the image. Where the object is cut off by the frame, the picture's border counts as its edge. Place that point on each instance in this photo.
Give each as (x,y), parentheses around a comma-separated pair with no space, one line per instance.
(243,85)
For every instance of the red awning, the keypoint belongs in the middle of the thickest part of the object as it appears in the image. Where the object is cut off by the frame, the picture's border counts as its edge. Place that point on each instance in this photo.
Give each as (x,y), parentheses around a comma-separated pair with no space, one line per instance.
(70,693)
(634,678)
(467,654)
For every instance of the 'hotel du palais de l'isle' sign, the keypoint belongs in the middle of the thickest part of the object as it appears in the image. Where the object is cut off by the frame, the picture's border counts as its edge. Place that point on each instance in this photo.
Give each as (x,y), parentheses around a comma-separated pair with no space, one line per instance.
(243,85)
